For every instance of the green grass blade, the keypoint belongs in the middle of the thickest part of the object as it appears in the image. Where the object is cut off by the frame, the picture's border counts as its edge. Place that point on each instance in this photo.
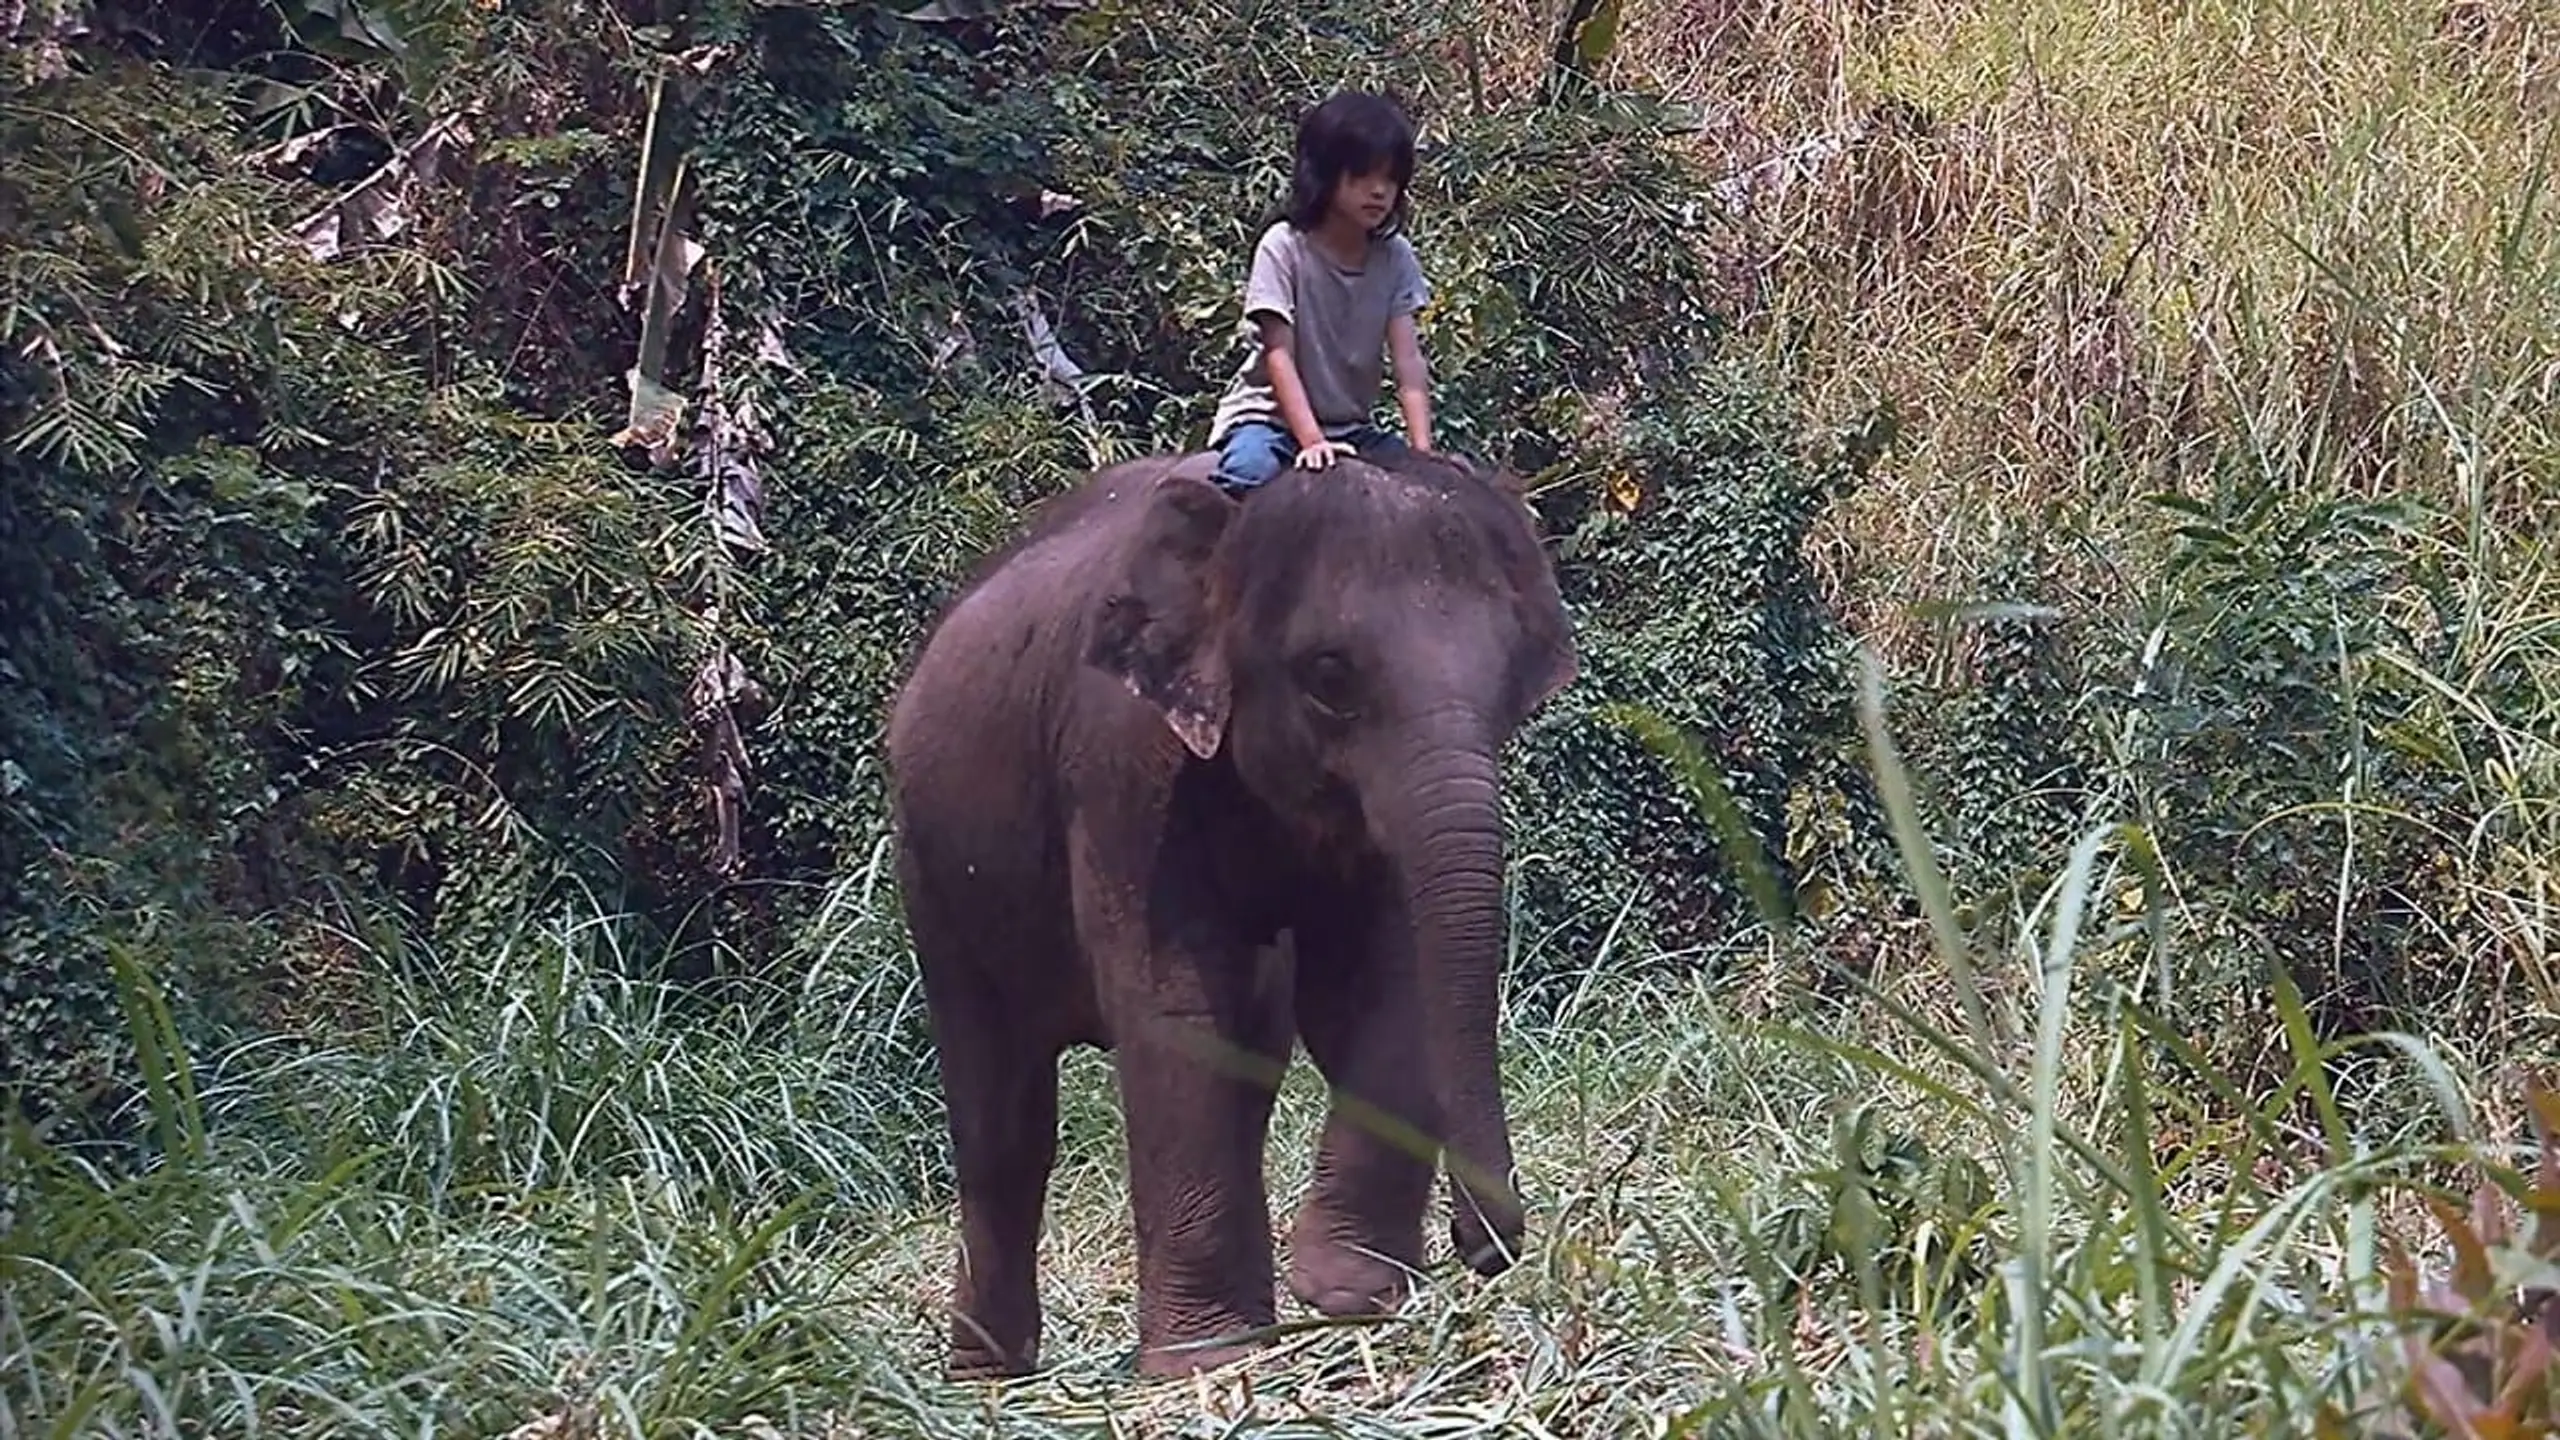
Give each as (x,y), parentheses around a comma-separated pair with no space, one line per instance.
(1920,861)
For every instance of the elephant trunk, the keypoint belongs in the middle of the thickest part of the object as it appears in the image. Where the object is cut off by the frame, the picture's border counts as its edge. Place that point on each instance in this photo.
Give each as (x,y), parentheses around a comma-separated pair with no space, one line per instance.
(1447,832)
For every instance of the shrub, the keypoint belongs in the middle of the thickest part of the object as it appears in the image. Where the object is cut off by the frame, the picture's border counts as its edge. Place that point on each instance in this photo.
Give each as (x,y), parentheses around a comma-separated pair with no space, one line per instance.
(1696,604)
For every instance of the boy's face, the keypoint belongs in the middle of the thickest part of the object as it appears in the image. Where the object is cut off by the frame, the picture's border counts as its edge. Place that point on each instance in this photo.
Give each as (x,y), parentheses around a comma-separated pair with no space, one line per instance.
(1366,199)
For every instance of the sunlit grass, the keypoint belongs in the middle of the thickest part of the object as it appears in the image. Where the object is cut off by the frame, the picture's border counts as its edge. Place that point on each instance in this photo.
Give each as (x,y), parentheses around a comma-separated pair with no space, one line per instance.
(2086,244)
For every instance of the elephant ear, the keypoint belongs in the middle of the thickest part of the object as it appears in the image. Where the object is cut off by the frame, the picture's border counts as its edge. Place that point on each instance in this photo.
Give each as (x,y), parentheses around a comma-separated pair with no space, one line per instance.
(1548,659)
(1159,620)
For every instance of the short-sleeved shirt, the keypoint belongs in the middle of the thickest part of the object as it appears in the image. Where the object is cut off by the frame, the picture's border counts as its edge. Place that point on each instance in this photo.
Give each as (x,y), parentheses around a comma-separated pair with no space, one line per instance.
(1338,319)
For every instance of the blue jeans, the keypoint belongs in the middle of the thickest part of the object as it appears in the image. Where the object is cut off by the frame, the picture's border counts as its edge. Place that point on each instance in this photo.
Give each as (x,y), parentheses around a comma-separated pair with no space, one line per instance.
(1257,450)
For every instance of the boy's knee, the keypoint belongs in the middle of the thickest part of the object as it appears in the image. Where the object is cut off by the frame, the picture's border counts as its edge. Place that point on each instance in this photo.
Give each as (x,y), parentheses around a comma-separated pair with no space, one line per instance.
(1250,456)
(1379,447)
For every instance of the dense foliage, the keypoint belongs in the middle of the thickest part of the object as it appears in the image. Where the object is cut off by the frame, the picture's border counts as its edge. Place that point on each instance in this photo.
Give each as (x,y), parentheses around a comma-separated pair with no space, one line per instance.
(472,471)
(401,616)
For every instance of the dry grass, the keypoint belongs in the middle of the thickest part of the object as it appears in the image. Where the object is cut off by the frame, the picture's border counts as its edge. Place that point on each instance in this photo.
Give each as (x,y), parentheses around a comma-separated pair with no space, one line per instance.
(2092,246)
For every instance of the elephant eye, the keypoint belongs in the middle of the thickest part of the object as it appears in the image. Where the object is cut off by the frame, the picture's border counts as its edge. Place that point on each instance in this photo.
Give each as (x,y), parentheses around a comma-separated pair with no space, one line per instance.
(1330,683)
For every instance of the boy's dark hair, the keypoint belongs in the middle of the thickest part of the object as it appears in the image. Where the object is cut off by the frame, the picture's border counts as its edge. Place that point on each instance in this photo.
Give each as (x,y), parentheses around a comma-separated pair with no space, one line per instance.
(1351,133)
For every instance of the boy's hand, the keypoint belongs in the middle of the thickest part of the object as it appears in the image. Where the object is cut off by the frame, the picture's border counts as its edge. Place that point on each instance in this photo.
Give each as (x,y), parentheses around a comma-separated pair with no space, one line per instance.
(1321,454)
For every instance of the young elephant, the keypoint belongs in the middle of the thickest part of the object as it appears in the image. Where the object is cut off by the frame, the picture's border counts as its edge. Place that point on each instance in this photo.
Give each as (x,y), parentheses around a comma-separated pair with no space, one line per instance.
(1160,730)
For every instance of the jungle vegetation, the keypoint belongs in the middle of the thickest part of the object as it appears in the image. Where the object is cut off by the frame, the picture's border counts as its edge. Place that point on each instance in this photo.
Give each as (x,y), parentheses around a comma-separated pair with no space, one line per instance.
(2038,916)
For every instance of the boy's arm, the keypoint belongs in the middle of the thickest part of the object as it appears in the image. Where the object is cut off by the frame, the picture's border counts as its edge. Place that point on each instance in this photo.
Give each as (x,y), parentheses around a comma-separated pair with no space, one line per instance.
(1280,360)
(1404,346)
(1413,379)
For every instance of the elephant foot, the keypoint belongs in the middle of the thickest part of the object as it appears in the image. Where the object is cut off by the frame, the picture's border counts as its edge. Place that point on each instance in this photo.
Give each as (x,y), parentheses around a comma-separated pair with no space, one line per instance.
(1338,1279)
(1195,1340)
(960,1369)
(1176,1359)
(973,1358)
(1487,1240)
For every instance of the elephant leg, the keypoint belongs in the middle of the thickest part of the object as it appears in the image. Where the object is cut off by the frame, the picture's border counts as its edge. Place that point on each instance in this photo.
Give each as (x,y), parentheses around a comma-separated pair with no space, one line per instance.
(1196,1130)
(1357,1237)
(1000,1093)
(1003,1147)
(1198,1051)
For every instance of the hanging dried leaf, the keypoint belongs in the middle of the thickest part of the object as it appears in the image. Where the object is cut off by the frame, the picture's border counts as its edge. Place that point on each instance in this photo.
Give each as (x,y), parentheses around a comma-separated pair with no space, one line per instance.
(727,440)
(1061,378)
(738,502)
(769,347)
(377,206)
(711,702)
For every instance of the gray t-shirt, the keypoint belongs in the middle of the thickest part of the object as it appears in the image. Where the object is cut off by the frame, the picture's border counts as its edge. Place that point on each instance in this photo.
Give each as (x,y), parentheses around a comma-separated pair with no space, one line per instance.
(1338,320)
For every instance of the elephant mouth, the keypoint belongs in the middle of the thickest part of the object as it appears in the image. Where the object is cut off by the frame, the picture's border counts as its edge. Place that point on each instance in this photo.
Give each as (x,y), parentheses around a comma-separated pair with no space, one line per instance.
(1334,833)
(1321,817)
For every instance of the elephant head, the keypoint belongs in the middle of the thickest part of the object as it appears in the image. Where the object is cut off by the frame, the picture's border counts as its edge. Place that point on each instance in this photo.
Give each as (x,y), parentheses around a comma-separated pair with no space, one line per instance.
(1359,643)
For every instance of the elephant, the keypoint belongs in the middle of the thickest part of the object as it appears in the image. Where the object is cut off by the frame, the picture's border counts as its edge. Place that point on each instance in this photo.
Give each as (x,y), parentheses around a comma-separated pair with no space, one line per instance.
(1165,741)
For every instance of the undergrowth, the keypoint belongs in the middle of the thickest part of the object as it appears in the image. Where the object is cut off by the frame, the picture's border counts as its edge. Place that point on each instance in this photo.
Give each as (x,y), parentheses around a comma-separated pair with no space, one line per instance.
(562,1199)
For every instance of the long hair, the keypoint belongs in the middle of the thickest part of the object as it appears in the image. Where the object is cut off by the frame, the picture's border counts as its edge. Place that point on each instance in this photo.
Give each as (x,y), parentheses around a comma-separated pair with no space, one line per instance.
(1351,133)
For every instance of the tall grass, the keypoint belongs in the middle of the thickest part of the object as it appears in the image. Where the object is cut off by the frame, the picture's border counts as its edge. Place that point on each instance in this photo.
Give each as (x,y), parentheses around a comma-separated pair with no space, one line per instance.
(2102,253)
(539,1180)
(547,1197)
(2086,244)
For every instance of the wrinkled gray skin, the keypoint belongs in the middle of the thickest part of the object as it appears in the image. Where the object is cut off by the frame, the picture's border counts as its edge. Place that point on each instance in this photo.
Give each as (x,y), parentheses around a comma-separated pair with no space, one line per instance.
(1158,732)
